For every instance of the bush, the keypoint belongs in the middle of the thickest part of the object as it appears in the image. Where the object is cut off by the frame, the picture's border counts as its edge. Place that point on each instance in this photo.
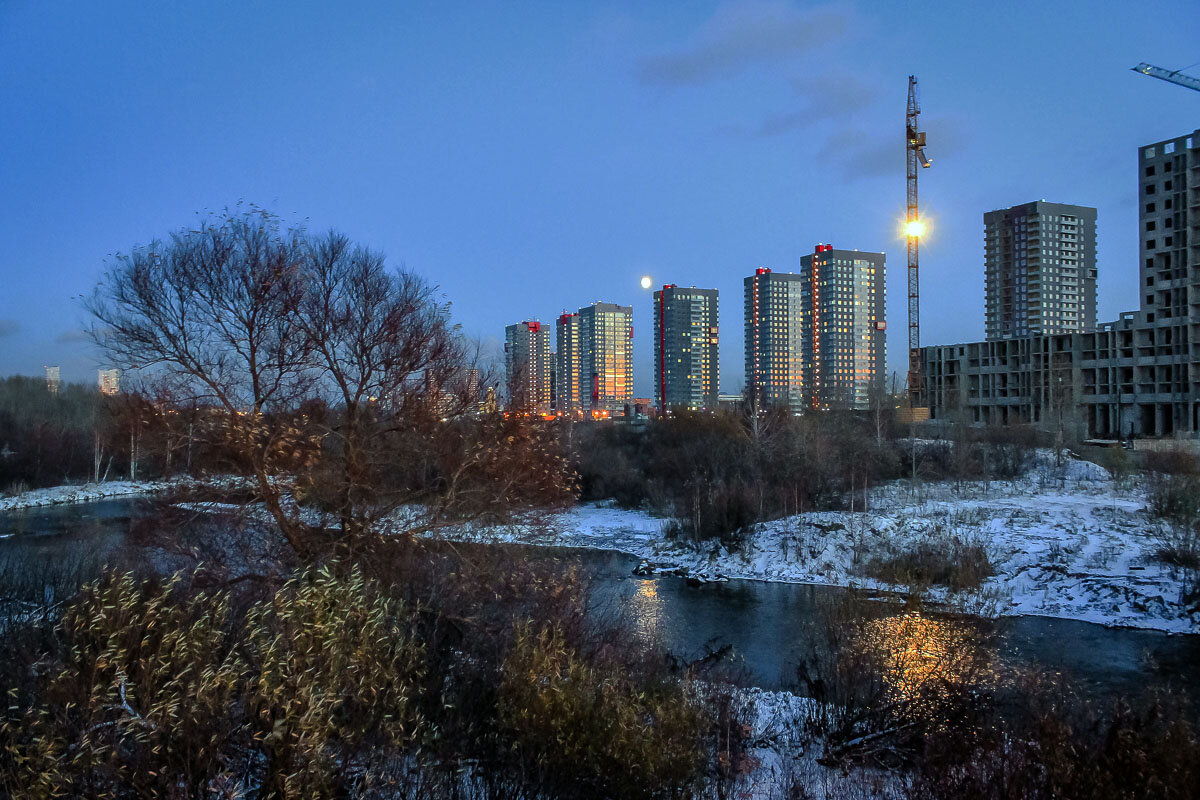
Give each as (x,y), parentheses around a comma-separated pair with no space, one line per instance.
(155,689)
(725,514)
(588,729)
(942,559)
(1175,498)
(459,671)
(718,474)
(1172,462)
(140,693)
(923,698)
(1058,746)
(1179,546)
(883,682)
(335,681)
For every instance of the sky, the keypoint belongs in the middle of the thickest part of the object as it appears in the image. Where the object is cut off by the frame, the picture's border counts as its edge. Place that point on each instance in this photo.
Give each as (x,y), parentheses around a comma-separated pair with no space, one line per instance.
(529,158)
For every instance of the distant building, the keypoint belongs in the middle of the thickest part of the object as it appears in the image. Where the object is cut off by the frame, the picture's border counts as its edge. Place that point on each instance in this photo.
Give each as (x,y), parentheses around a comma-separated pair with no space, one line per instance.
(642,407)
(109,380)
(605,376)
(567,362)
(1040,267)
(53,379)
(685,348)
(527,366)
(1138,375)
(730,401)
(774,314)
(844,326)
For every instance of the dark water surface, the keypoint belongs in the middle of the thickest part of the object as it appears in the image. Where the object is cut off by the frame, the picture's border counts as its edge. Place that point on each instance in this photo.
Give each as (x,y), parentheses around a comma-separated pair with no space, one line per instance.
(765,624)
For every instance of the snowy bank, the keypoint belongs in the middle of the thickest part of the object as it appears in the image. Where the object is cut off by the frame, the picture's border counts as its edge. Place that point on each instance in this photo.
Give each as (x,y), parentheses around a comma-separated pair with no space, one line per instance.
(91,492)
(1063,540)
(83,493)
(783,754)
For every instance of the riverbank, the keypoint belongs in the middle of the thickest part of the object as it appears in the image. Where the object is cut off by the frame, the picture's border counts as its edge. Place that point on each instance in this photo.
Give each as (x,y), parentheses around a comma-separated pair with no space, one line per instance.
(1064,543)
(91,492)
(82,493)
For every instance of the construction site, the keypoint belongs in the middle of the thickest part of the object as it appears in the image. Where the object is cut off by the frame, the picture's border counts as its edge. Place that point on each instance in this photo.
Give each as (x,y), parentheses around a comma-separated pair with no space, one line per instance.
(1137,376)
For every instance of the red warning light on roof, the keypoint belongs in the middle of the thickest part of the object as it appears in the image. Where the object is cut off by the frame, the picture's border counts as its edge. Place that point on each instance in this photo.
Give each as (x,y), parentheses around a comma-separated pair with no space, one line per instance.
(534,327)
(762,271)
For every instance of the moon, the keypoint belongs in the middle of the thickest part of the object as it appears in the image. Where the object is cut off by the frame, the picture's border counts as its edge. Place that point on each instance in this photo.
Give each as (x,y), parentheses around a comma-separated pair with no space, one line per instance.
(646,282)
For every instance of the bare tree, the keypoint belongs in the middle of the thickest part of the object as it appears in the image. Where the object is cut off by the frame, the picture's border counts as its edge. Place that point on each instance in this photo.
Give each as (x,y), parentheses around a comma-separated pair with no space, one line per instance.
(216,310)
(391,367)
(331,378)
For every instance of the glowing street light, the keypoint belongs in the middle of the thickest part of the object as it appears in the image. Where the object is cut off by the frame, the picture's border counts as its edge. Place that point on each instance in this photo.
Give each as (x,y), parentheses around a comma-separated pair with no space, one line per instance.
(646,282)
(914,229)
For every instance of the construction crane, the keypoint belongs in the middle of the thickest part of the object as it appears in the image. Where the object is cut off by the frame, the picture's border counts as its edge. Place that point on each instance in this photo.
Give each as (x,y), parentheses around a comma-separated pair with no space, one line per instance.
(1170,76)
(913,230)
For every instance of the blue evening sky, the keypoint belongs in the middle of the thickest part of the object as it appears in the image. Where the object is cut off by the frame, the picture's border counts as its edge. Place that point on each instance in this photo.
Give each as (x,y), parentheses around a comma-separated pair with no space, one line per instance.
(530,157)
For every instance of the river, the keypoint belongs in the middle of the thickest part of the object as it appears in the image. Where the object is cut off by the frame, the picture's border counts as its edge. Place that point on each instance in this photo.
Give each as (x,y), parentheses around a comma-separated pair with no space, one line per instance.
(763,623)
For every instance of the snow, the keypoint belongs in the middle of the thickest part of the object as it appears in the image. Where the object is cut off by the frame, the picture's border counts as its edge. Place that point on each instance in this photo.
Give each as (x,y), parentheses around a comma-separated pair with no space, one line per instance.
(783,752)
(1064,541)
(83,493)
(91,492)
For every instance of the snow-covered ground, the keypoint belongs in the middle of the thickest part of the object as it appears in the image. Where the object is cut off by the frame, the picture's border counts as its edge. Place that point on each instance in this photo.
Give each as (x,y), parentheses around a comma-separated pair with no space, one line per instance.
(1064,542)
(90,492)
(783,752)
(83,493)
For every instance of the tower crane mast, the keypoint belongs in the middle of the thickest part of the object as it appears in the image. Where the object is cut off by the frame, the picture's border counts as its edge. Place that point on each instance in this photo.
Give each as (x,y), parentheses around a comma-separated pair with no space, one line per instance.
(913,228)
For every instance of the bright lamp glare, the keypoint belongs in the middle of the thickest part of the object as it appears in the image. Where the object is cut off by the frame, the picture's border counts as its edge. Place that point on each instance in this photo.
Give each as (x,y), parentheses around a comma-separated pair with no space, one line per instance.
(914,228)
(646,282)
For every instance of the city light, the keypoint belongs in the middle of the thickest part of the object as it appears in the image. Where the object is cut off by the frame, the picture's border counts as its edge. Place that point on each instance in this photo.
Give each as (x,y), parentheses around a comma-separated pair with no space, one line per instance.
(646,282)
(914,228)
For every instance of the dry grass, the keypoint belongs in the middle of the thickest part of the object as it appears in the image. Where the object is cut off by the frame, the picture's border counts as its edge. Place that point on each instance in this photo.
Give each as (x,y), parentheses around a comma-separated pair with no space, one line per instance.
(957,562)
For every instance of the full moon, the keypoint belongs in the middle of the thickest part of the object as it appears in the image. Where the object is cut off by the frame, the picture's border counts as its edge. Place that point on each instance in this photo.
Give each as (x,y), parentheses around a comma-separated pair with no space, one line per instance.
(646,281)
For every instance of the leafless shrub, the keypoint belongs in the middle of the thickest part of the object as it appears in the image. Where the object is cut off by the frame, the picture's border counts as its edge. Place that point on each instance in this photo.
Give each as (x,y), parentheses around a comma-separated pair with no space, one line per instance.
(956,561)
(883,682)
(1056,744)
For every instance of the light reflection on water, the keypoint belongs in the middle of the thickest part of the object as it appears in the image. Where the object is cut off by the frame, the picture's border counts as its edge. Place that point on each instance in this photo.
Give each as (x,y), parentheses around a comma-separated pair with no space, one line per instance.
(924,658)
(646,611)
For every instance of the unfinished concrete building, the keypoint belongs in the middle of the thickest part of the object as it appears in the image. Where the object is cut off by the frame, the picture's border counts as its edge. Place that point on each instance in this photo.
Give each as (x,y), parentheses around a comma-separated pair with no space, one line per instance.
(1139,375)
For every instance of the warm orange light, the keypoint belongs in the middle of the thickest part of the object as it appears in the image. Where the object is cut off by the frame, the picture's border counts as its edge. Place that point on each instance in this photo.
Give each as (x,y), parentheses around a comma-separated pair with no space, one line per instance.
(914,229)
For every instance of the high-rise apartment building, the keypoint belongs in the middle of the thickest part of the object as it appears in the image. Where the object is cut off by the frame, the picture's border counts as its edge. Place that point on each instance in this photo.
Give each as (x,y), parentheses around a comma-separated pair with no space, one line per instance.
(108,380)
(527,364)
(844,326)
(567,366)
(774,314)
(605,377)
(1137,375)
(53,379)
(1040,261)
(685,348)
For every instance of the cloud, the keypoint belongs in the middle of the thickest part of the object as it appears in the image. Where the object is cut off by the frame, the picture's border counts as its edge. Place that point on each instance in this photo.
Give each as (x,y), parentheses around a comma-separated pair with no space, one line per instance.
(828,96)
(864,154)
(9,327)
(73,337)
(860,153)
(740,34)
